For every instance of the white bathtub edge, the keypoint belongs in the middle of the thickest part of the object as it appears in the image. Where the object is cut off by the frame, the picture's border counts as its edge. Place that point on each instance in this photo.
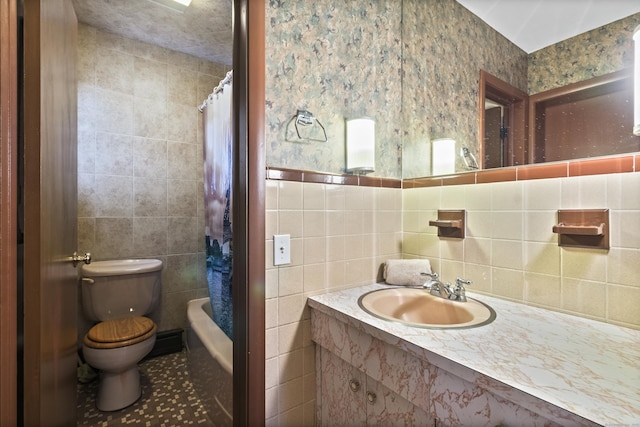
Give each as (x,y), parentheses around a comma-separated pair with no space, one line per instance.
(219,346)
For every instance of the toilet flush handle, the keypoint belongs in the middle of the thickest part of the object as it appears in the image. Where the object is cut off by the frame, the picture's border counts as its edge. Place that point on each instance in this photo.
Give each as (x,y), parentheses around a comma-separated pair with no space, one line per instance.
(75,258)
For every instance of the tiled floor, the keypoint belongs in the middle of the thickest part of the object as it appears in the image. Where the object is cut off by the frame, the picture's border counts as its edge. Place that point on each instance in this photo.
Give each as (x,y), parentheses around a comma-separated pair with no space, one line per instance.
(168,398)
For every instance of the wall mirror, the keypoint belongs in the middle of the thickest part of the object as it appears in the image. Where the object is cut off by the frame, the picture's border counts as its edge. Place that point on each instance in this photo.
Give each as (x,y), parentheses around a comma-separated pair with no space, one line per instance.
(451,89)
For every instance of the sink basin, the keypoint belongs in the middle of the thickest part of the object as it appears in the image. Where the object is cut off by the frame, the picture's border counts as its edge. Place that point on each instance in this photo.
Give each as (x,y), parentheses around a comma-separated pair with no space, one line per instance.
(416,307)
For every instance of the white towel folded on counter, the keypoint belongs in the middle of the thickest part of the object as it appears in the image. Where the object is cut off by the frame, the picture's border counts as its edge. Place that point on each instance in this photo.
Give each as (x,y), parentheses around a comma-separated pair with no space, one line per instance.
(406,272)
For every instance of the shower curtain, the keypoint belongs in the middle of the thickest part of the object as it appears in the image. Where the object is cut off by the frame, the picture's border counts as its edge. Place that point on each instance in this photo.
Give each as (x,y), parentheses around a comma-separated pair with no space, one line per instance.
(217,132)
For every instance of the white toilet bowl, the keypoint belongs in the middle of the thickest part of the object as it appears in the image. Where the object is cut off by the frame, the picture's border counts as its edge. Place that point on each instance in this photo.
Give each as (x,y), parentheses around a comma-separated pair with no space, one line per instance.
(118,294)
(119,378)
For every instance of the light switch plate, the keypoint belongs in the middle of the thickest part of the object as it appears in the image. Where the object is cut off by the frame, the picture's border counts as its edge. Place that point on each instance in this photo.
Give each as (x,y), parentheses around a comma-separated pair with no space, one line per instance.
(281,249)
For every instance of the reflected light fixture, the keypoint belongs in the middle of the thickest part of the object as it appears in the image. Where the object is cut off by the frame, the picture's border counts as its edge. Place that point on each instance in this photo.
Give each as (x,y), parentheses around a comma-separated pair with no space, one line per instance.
(176,5)
(361,141)
(443,156)
(636,81)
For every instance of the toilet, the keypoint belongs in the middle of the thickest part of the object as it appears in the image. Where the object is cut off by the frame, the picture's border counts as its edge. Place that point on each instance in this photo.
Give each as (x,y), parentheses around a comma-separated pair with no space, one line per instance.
(119,294)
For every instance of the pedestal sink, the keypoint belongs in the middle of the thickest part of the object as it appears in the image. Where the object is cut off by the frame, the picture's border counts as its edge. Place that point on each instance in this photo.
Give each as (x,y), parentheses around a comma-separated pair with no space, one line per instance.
(417,307)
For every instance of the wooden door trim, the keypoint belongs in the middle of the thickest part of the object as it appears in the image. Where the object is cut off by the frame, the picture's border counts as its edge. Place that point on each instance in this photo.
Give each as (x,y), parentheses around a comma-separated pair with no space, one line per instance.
(497,90)
(249,205)
(8,210)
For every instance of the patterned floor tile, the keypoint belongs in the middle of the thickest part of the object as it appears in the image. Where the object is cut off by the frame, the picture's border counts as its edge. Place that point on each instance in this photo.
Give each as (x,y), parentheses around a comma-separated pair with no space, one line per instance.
(168,398)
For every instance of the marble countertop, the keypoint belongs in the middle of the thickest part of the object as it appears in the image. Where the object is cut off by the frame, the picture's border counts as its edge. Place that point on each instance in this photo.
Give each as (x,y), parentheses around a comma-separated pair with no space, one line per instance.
(589,368)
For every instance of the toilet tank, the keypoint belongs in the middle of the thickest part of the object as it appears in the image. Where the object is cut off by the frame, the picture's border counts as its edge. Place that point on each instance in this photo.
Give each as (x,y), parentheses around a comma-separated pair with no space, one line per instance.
(120,288)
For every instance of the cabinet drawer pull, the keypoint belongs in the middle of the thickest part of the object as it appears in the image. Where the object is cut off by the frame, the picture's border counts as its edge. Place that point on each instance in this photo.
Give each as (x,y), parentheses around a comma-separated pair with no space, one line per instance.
(354,385)
(371,397)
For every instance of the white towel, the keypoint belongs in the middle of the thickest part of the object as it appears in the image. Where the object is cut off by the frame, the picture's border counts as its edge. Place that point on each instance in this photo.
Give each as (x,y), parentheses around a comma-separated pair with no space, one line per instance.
(406,272)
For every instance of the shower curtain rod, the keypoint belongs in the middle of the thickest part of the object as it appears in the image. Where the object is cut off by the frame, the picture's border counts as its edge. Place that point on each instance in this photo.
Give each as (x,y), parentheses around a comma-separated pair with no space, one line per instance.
(227,79)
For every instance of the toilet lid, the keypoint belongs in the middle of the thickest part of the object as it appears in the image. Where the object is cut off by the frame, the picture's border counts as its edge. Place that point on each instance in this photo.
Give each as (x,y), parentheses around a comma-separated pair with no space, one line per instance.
(120,332)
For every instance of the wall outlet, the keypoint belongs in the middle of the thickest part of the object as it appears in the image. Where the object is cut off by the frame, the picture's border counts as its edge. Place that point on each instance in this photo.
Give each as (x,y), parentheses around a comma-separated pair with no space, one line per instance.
(281,249)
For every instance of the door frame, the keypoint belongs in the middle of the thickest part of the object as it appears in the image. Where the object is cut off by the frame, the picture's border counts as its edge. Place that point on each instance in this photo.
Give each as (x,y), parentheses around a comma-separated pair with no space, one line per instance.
(516,103)
(8,210)
(249,174)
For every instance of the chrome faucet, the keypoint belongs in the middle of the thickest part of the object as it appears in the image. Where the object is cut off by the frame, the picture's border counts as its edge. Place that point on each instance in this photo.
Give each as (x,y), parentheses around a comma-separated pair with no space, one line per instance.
(458,293)
(444,290)
(436,287)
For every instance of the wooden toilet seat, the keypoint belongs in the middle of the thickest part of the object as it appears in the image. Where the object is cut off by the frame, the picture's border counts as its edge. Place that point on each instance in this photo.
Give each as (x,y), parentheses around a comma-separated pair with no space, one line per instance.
(120,332)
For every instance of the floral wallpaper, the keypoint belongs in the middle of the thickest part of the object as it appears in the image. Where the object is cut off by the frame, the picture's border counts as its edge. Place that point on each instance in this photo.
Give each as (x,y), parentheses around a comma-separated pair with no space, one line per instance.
(444,48)
(595,53)
(337,59)
(412,65)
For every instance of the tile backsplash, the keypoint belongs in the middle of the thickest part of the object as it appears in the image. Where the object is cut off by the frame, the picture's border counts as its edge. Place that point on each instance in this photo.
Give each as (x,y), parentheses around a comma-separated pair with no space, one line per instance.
(510,252)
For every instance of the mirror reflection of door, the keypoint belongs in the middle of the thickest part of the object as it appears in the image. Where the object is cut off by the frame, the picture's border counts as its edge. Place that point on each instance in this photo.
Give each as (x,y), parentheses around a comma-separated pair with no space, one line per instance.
(502,115)
(495,134)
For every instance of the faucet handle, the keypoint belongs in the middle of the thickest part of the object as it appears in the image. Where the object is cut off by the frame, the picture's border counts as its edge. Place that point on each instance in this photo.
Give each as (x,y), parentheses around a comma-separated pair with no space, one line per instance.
(433,279)
(461,282)
(459,291)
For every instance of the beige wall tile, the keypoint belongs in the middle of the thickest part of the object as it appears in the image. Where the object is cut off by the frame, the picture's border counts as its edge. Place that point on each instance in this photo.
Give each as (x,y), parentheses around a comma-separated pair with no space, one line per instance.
(290,281)
(625,229)
(181,198)
(477,197)
(542,194)
(506,225)
(183,121)
(538,226)
(271,195)
(623,266)
(180,158)
(290,195)
(114,154)
(543,290)
(313,197)
(507,254)
(584,297)
(113,71)
(584,264)
(623,303)
(479,223)
(314,278)
(506,196)
(477,251)
(335,197)
(149,158)
(113,196)
(313,223)
(290,222)
(622,191)
(507,283)
(150,236)
(542,258)
(114,111)
(584,192)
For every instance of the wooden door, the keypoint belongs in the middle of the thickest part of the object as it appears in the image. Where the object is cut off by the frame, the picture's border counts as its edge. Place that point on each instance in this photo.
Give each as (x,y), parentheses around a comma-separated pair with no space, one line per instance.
(50,213)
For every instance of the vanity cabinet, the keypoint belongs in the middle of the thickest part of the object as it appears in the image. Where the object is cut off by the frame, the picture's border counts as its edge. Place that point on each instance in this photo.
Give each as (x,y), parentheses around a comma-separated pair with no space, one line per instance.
(362,380)
(348,397)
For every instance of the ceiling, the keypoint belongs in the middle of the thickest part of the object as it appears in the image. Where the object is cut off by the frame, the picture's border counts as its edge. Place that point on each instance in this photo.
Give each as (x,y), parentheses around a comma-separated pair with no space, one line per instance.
(534,24)
(203,30)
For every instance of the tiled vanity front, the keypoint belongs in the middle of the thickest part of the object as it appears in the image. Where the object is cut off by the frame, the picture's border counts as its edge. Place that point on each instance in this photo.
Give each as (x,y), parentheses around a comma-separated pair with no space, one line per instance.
(529,367)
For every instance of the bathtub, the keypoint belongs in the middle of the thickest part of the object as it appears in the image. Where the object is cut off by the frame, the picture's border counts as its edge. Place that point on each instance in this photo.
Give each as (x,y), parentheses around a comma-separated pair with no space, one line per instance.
(210,362)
